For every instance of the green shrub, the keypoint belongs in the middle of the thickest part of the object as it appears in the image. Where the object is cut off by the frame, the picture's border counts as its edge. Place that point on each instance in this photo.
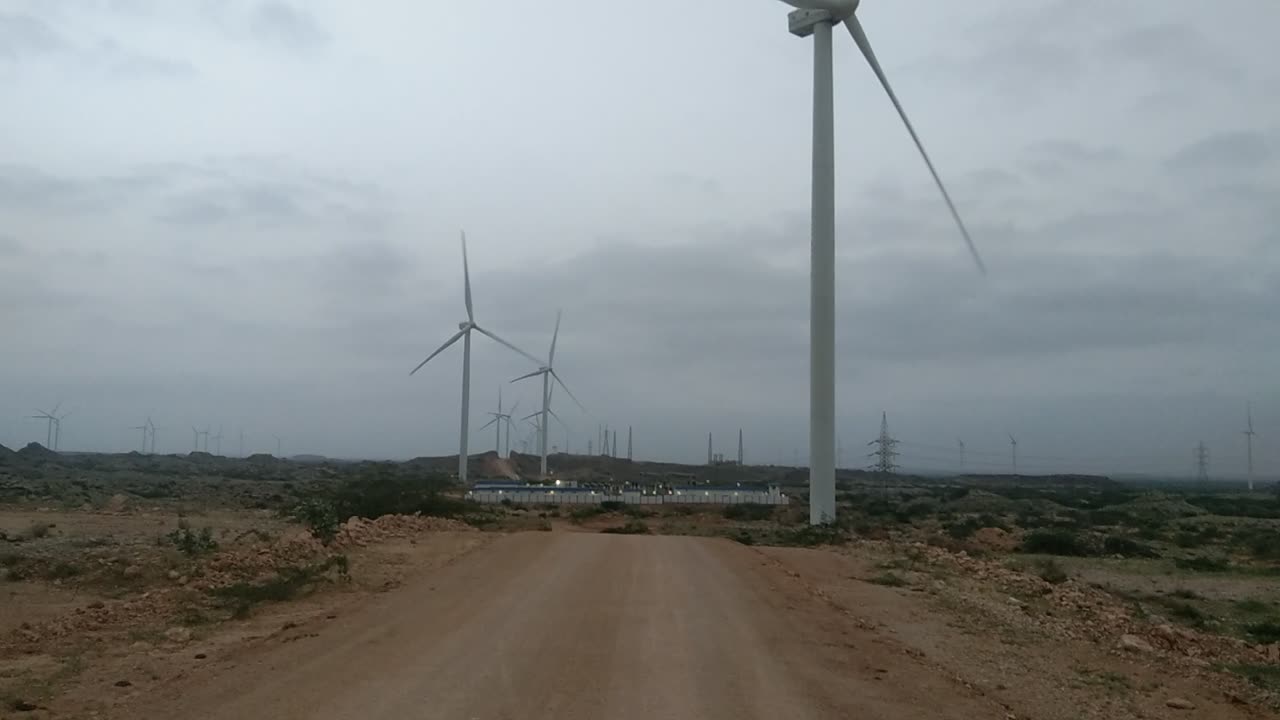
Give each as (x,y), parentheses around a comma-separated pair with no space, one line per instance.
(748,511)
(1202,563)
(1187,613)
(1188,540)
(612,506)
(1252,606)
(191,543)
(632,527)
(319,517)
(1185,594)
(1128,547)
(1056,542)
(812,536)
(585,512)
(1051,571)
(888,579)
(1267,631)
(963,529)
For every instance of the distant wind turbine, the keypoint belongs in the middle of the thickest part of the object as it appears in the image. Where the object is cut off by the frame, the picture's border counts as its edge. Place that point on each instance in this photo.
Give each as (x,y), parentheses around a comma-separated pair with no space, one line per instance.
(277,437)
(464,333)
(1248,438)
(50,418)
(499,419)
(548,373)
(146,430)
(1013,443)
(218,440)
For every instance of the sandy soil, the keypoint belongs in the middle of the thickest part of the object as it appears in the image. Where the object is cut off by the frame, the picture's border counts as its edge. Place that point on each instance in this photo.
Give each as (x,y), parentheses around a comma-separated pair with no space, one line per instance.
(571,625)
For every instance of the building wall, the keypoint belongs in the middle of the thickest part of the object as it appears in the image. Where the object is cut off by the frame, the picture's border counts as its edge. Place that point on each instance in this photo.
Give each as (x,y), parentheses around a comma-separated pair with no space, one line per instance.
(681,497)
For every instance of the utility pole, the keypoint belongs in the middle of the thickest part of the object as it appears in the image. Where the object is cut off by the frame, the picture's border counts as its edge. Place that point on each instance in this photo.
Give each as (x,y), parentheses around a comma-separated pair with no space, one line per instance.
(1248,439)
(629,458)
(961,444)
(1013,443)
(615,444)
(740,447)
(1202,462)
(884,452)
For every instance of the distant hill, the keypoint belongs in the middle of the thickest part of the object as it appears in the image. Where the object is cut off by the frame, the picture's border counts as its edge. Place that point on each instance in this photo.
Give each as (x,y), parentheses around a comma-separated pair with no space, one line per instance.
(36,451)
(5,453)
(309,459)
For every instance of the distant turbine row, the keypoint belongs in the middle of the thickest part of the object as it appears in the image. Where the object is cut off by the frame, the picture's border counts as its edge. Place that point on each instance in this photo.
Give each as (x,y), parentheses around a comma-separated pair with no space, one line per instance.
(545,369)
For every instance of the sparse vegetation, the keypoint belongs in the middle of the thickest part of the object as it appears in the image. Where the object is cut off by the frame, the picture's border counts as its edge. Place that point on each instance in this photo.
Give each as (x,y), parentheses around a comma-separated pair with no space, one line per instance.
(1056,542)
(1051,571)
(888,579)
(631,527)
(287,583)
(748,512)
(191,543)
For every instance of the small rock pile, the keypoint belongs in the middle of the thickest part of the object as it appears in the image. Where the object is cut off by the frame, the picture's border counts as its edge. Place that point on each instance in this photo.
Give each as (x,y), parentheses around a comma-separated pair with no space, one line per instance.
(360,532)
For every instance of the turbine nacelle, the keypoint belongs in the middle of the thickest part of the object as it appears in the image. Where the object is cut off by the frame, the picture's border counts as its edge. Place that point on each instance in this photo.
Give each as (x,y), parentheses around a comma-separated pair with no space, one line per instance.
(465,325)
(839,9)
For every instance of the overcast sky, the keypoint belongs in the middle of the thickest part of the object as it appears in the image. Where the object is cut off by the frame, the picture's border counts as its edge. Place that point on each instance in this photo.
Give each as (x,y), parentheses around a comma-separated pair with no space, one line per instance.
(245,214)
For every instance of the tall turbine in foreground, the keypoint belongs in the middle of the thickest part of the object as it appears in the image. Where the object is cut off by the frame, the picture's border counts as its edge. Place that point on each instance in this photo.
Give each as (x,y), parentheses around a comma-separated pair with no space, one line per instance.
(548,373)
(817,18)
(464,333)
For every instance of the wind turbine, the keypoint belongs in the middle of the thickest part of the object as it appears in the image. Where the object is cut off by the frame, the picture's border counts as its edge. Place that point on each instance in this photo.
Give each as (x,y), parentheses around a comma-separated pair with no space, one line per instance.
(57,429)
(961,444)
(464,333)
(548,373)
(499,418)
(1248,437)
(277,437)
(818,18)
(146,429)
(1013,443)
(50,419)
(217,439)
(153,435)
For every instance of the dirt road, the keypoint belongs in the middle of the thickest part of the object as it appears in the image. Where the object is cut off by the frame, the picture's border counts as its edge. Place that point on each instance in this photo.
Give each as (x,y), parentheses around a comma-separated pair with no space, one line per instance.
(581,626)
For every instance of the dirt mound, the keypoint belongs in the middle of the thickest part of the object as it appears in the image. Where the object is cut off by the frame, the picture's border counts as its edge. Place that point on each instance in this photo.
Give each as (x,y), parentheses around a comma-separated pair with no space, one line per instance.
(492,466)
(360,532)
(994,538)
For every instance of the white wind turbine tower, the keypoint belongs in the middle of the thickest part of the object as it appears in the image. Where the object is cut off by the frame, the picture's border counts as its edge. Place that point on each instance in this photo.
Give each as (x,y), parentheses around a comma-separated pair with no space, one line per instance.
(817,18)
(548,373)
(1013,443)
(464,333)
(1248,438)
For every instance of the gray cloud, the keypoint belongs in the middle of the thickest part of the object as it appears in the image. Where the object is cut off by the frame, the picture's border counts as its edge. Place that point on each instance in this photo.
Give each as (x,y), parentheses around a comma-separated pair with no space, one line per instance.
(1236,150)
(25,36)
(288,26)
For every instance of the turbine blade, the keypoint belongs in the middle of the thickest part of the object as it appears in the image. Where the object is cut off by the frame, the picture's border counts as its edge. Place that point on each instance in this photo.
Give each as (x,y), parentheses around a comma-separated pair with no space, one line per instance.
(860,37)
(551,358)
(466,278)
(439,350)
(512,411)
(527,375)
(535,360)
(533,414)
(553,414)
(487,424)
(567,390)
